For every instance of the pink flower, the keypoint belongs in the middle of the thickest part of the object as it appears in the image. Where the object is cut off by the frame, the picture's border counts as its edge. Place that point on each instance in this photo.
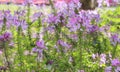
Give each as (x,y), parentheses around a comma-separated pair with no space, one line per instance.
(93,56)
(1,52)
(81,71)
(111,2)
(11,44)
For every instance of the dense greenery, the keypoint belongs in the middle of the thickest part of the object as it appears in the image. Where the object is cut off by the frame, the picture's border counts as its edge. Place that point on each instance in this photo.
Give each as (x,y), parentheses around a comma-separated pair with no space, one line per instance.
(67,39)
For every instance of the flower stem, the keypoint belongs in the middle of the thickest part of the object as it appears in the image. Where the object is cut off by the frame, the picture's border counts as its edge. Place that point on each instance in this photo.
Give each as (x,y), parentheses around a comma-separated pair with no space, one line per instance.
(114,51)
(19,46)
(6,55)
(80,46)
(52,6)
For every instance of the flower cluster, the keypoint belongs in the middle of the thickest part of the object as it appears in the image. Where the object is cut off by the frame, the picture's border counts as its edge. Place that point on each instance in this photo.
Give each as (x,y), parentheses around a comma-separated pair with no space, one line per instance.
(8,20)
(115,39)
(107,2)
(7,36)
(115,63)
(63,39)
(40,46)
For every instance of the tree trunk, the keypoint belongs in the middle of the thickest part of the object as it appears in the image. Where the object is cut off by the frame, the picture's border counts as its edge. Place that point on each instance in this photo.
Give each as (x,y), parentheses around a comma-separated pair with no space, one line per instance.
(88,4)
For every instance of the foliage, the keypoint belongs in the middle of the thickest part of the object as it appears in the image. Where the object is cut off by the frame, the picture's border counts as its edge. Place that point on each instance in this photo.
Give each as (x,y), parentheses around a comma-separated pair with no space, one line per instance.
(65,40)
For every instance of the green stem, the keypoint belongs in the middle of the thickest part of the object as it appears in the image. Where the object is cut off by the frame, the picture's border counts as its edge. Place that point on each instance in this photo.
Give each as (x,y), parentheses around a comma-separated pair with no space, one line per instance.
(19,46)
(80,48)
(29,32)
(4,25)
(6,55)
(114,51)
(52,6)
(29,24)
(28,13)
(39,27)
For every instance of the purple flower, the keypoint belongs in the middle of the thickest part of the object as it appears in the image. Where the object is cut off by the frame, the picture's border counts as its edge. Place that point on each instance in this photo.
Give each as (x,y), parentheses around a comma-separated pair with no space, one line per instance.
(64,44)
(21,23)
(35,49)
(1,38)
(50,62)
(24,25)
(60,5)
(74,37)
(76,1)
(6,13)
(73,24)
(102,59)
(118,69)
(52,19)
(20,13)
(50,29)
(40,44)
(56,47)
(115,62)
(40,52)
(36,16)
(115,39)
(6,36)
(11,44)
(27,2)
(108,69)
(93,28)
